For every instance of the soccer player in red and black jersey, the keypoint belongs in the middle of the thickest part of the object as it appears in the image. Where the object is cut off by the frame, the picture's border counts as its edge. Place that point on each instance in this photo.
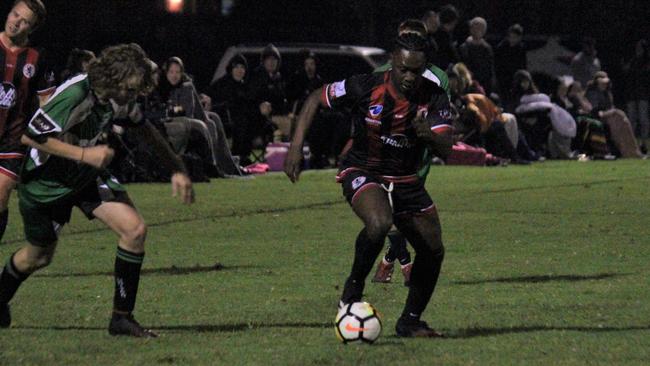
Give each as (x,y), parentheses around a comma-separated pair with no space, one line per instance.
(25,82)
(397,114)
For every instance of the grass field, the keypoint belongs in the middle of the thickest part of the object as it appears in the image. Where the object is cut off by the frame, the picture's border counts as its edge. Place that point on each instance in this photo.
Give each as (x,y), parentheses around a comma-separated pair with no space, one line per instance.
(546,264)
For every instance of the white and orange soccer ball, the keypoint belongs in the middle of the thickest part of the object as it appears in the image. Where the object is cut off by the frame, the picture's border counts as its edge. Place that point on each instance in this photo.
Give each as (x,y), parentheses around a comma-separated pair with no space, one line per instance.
(358,322)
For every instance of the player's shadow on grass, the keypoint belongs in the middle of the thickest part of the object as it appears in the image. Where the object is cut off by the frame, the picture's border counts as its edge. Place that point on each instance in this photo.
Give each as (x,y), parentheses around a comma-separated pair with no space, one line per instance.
(172,271)
(543,278)
(239,327)
(487,332)
(198,328)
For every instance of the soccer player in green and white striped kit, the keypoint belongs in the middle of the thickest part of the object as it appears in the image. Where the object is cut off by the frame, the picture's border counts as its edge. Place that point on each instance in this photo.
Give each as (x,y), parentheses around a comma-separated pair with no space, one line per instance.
(68,139)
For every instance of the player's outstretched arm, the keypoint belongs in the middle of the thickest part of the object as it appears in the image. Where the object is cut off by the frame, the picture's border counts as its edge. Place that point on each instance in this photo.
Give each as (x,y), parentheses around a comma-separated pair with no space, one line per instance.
(293,161)
(97,156)
(181,183)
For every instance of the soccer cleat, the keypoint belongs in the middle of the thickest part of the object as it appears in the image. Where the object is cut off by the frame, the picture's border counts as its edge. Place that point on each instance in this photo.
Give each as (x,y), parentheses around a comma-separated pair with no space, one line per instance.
(125,324)
(406,272)
(384,272)
(412,328)
(5,316)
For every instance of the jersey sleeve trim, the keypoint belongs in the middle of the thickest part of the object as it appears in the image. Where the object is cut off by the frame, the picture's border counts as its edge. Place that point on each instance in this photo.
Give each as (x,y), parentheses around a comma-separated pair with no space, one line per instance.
(443,128)
(324,97)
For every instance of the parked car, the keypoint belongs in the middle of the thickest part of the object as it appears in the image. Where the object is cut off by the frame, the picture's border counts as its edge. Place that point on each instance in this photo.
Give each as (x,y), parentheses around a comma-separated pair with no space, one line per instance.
(336,62)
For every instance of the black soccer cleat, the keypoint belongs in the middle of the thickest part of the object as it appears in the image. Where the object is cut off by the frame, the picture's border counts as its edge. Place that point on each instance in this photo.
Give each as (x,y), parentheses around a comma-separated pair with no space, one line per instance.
(5,316)
(411,328)
(125,324)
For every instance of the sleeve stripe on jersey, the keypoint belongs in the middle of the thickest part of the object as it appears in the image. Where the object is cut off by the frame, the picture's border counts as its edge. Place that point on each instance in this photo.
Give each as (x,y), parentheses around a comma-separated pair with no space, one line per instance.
(69,82)
(325,96)
(442,128)
(431,76)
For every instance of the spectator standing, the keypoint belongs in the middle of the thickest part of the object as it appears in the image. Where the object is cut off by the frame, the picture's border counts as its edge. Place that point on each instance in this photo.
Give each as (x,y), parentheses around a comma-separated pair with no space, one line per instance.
(510,56)
(585,64)
(302,83)
(478,55)
(447,53)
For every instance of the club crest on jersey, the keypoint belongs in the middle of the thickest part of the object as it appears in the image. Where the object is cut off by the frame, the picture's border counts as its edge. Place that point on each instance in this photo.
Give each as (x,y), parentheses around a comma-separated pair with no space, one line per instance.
(375,110)
(357,182)
(41,124)
(445,113)
(7,96)
(29,70)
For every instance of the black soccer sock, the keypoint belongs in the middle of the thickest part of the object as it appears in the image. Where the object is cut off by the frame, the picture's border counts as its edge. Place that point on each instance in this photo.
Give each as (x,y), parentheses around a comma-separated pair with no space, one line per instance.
(397,249)
(424,276)
(10,280)
(127,277)
(365,253)
(4,219)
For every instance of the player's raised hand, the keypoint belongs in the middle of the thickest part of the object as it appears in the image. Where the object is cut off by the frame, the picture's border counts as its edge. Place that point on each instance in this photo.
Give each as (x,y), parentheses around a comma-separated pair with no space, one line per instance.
(97,156)
(422,128)
(292,163)
(182,187)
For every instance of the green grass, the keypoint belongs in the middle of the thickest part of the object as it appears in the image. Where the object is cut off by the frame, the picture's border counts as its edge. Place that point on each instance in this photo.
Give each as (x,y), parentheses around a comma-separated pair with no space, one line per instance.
(546,264)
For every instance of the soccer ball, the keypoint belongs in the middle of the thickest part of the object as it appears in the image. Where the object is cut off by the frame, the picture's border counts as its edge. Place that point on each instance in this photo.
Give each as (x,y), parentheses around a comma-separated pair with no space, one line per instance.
(358,321)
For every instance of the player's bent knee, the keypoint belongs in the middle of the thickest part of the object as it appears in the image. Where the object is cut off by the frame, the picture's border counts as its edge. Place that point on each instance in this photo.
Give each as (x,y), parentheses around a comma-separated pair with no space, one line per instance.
(135,236)
(378,227)
(36,262)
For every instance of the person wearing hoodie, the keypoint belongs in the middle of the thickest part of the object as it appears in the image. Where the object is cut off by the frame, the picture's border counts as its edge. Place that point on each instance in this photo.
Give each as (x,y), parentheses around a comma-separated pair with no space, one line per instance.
(234,102)
(269,91)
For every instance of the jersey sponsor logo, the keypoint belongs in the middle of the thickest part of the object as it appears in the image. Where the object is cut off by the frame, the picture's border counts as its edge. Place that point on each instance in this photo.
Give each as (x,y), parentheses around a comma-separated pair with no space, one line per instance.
(373,121)
(29,70)
(375,110)
(7,95)
(41,124)
(357,182)
(399,141)
(337,90)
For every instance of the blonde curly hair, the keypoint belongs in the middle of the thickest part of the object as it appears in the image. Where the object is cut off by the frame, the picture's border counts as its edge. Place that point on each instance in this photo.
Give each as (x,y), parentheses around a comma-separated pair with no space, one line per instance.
(117,65)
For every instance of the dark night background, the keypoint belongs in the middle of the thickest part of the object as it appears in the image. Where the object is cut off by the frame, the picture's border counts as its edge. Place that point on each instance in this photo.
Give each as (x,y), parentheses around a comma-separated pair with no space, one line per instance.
(201,33)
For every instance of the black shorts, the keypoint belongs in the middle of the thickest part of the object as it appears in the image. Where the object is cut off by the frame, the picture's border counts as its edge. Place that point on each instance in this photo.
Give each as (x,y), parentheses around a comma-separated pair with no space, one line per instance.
(408,195)
(10,164)
(42,222)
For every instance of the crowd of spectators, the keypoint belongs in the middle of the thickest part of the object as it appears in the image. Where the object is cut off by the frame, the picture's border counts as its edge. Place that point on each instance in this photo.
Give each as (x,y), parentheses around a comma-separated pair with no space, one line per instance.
(515,115)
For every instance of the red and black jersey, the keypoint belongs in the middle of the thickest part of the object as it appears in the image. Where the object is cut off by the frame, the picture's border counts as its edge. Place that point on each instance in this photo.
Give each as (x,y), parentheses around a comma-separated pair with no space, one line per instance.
(25,75)
(384,139)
